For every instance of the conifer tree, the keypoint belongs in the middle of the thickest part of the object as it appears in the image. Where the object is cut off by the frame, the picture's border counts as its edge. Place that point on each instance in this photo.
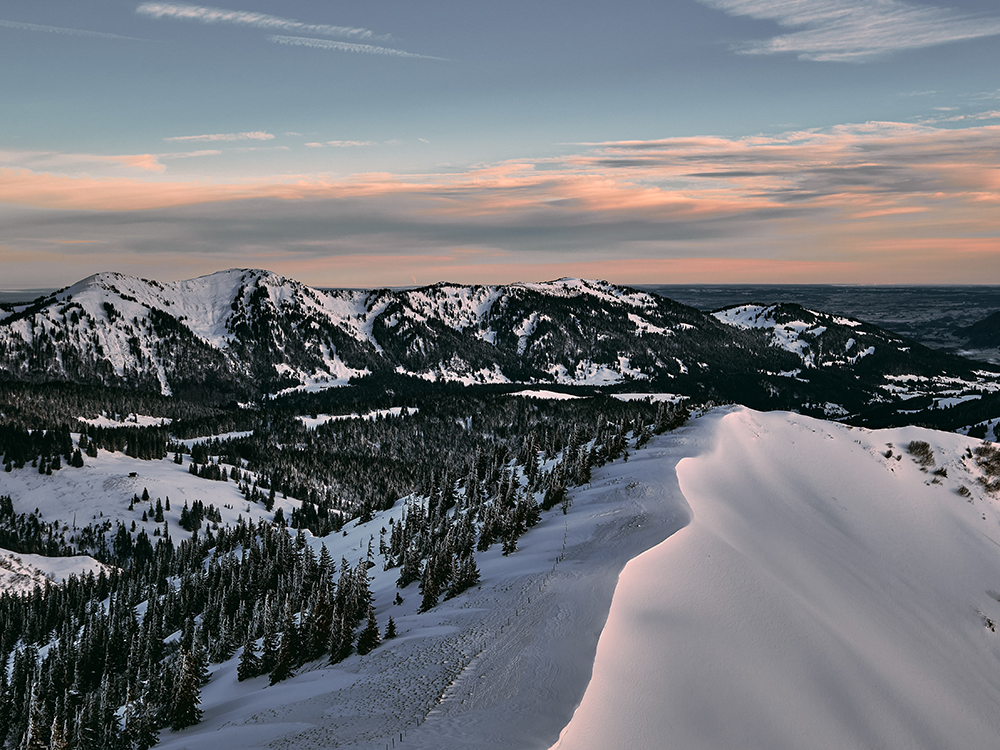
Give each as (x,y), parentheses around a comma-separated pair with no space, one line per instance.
(369,639)
(199,659)
(37,735)
(316,626)
(285,662)
(142,731)
(5,701)
(341,641)
(250,665)
(269,647)
(57,736)
(464,576)
(429,587)
(186,707)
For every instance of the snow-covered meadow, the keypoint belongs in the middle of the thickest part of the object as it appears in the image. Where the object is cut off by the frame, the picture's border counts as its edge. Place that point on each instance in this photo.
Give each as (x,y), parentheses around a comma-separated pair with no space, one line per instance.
(22,572)
(751,580)
(104,487)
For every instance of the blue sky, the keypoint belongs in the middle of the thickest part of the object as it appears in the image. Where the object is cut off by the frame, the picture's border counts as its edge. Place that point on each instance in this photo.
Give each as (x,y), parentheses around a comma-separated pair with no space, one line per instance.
(398,142)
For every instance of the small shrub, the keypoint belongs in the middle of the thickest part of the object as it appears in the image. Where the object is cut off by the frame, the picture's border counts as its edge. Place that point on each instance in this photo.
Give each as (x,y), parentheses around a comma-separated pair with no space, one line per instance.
(921,452)
(964,491)
(988,459)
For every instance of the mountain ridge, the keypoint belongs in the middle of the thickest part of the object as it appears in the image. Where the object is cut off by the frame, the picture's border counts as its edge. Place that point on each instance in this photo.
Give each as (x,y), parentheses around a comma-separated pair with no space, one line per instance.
(246,334)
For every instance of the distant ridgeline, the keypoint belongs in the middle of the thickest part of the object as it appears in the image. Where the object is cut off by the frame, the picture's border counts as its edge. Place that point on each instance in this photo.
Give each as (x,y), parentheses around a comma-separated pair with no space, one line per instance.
(250,336)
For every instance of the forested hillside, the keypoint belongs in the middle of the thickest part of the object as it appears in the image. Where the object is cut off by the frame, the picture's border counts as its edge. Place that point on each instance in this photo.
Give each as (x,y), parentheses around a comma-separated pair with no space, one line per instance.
(108,660)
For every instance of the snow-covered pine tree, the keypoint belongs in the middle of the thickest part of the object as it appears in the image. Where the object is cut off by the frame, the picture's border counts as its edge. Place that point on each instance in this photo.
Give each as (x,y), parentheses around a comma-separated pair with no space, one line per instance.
(186,705)
(249,664)
(369,639)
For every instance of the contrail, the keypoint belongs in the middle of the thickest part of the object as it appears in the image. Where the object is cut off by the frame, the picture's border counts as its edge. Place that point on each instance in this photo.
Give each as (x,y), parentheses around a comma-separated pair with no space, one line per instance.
(68,32)
(246,18)
(302,41)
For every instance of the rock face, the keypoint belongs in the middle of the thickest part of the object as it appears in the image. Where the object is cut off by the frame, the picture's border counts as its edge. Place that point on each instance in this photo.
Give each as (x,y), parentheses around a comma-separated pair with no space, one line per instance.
(246,334)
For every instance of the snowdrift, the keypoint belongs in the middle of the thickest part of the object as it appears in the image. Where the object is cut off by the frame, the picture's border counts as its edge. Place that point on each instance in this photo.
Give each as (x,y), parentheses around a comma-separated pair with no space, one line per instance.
(824,595)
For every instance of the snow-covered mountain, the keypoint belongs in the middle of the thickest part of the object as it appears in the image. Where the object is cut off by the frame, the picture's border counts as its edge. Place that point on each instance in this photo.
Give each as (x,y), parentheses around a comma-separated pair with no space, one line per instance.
(270,333)
(772,580)
(242,334)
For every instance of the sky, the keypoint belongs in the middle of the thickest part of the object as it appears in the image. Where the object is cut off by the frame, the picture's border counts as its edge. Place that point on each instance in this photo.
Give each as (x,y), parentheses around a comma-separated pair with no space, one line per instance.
(396,142)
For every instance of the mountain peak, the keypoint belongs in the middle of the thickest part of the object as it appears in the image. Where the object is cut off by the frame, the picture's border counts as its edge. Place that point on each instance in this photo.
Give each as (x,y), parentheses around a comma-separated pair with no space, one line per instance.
(248,332)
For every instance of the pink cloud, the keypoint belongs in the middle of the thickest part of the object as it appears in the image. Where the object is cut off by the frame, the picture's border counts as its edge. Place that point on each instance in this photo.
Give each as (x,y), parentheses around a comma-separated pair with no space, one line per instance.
(841,204)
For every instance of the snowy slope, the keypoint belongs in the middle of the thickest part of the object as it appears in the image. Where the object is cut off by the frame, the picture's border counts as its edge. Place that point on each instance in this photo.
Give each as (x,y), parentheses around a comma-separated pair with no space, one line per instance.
(784,582)
(125,330)
(500,666)
(789,586)
(20,573)
(102,489)
(309,338)
(822,596)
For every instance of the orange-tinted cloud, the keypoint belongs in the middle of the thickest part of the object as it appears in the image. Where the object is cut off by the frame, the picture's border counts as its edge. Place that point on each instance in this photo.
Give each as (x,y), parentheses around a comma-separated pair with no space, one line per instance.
(842,204)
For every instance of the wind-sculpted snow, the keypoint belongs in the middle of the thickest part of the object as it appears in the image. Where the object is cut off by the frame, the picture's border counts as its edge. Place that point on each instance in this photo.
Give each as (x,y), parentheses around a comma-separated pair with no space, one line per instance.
(829,592)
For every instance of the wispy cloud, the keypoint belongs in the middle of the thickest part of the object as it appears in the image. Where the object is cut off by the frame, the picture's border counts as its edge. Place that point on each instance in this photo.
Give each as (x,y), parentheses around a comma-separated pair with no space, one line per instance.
(341,144)
(975,117)
(847,166)
(191,154)
(203,14)
(889,201)
(75,162)
(67,32)
(349,144)
(986,96)
(366,49)
(255,135)
(856,30)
